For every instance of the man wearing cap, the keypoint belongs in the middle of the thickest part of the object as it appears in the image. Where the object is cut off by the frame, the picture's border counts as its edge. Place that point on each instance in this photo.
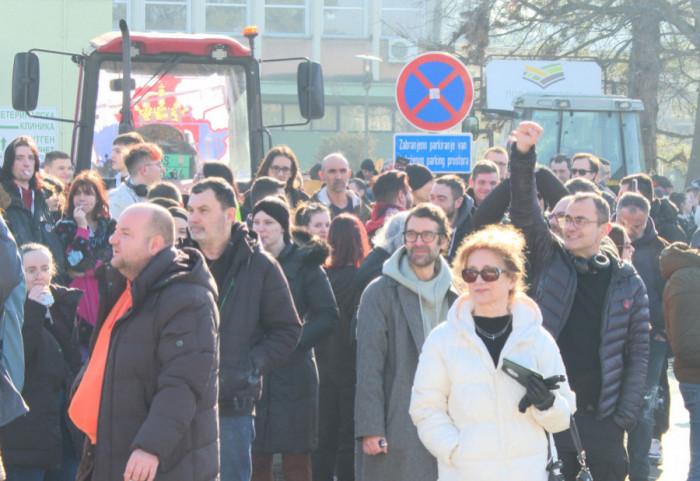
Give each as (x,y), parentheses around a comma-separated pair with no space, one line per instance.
(420,180)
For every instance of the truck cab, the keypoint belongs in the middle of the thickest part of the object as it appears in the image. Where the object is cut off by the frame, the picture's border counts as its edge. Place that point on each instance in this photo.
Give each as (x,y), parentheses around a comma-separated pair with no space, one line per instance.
(605,125)
(195,95)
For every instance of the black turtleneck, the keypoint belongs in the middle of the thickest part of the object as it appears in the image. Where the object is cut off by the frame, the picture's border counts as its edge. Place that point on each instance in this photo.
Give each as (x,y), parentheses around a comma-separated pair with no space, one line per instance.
(494,325)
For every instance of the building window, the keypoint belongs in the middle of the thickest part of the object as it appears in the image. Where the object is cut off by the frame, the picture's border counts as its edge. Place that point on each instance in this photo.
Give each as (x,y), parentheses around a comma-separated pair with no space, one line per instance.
(402,17)
(120,11)
(286,17)
(167,15)
(225,16)
(344,18)
(329,122)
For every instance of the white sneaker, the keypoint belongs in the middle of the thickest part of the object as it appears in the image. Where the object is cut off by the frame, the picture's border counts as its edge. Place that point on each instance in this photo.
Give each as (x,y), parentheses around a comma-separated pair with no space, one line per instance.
(656,452)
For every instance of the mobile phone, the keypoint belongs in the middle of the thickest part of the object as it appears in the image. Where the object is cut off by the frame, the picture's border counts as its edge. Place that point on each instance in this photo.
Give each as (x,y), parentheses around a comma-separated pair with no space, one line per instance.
(519,372)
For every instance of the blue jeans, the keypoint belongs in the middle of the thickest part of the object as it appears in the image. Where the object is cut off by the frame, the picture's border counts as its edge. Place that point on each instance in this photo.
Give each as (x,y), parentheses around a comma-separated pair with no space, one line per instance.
(236,435)
(639,439)
(691,398)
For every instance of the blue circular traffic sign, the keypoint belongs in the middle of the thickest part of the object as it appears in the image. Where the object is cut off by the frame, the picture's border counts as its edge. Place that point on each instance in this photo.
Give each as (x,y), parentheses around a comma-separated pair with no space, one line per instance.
(434,91)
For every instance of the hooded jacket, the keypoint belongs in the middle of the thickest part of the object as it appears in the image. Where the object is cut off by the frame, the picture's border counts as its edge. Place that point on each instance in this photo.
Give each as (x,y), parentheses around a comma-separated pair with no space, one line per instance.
(552,277)
(51,362)
(359,209)
(160,381)
(431,294)
(462,227)
(681,267)
(466,409)
(286,418)
(390,335)
(259,327)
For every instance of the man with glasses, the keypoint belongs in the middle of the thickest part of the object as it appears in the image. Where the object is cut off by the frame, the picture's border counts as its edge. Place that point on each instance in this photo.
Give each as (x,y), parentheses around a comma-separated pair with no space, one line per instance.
(596,308)
(144,163)
(633,214)
(396,313)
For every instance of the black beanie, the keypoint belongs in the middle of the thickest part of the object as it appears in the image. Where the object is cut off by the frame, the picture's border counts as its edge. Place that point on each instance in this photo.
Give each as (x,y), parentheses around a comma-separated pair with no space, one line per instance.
(418,175)
(277,209)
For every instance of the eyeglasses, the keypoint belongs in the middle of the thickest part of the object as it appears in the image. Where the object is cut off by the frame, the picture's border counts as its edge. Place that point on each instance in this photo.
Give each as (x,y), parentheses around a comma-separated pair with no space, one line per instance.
(427,235)
(488,274)
(556,217)
(276,169)
(578,222)
(580,171)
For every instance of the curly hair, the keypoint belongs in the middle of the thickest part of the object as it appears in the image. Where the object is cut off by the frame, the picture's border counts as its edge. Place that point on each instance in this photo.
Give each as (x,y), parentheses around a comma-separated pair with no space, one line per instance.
(505,241)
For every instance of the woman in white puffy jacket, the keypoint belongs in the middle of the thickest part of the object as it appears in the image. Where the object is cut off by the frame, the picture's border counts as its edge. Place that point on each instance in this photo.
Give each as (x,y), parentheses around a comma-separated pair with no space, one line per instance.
(464,405)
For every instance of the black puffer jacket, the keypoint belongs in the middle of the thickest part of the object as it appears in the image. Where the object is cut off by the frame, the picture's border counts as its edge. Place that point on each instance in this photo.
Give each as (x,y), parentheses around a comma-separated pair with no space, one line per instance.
(51,362)
(286,418)
(32,227)
(160,379)
(552,277)
(259,326)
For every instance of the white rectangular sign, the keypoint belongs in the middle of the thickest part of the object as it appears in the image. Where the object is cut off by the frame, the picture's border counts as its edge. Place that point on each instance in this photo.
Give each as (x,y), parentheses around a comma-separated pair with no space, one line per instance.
(14,123)
(507,79)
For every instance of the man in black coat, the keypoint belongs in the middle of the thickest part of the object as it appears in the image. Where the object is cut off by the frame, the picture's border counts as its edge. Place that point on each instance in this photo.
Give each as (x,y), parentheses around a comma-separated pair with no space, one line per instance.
(259,328)
(147,398)
(604,345)
(633,214)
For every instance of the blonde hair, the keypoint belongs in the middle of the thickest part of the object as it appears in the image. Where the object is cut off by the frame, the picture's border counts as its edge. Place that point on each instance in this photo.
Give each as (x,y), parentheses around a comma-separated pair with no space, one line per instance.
(504,240)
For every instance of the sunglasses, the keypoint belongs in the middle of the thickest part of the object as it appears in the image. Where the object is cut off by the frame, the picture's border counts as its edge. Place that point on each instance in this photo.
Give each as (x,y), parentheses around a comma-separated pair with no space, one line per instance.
(488,274)
(580,171)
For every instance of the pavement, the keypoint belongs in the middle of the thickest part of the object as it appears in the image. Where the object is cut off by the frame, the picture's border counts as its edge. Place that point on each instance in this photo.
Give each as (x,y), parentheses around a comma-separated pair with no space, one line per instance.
(676,441)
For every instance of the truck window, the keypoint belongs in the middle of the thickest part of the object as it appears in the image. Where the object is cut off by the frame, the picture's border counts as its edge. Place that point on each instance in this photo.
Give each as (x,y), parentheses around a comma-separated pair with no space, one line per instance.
(195,112)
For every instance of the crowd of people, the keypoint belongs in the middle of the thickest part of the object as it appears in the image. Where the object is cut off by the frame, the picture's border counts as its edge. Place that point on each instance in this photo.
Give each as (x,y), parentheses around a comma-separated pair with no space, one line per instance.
(513,323)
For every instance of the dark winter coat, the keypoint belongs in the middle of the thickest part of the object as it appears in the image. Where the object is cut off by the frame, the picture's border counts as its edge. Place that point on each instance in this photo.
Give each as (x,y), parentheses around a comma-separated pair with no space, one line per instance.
(286,418)
(336,354)
(463,226)
(645,259)
(665,217)
(160,382)
(51,362)
(495,206)
(29,227)
(259,326)
(552,277)
(681,267)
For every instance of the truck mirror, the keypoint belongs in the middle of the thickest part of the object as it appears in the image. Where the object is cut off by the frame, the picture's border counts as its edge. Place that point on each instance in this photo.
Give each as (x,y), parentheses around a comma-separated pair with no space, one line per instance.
(471,125)
(310,90)
(25,81)
(115,85)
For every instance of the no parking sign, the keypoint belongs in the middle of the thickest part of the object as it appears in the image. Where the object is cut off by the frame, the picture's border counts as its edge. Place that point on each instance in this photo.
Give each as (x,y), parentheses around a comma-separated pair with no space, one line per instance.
(434,91)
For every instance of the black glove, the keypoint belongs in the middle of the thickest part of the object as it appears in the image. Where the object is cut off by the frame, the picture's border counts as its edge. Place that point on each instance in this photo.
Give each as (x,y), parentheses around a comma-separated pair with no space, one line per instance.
(539,393)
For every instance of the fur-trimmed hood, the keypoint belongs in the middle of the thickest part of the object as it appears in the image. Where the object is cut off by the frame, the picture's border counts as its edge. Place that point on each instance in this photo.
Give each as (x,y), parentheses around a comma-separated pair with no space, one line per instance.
(312,249)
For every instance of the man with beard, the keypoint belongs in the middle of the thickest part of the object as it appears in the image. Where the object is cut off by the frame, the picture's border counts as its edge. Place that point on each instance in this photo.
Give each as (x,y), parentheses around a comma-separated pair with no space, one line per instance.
(396,313)
(259,326)
(335,171)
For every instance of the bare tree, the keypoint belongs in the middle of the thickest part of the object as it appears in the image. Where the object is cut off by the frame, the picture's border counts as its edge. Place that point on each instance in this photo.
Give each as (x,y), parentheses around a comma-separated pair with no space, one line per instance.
(656,41)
